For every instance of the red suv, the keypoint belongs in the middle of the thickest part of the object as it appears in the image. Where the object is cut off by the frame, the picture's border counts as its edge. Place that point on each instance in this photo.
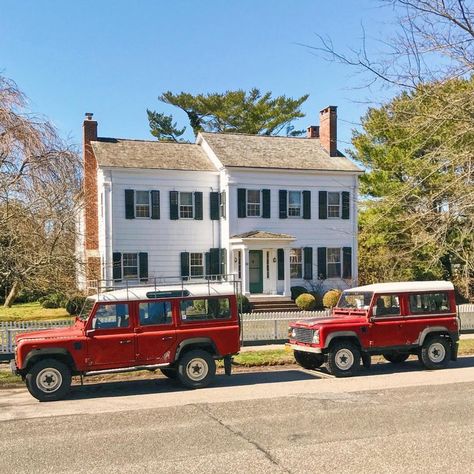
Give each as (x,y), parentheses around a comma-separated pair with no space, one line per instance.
(391,319)
(179,330)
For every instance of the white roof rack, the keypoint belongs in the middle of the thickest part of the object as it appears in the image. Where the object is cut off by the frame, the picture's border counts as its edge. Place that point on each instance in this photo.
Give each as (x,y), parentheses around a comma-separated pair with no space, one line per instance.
(405,287)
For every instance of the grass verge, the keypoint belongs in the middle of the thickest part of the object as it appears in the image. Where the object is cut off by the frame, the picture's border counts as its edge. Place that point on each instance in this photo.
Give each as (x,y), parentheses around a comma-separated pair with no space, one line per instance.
(31,312)
(260,358)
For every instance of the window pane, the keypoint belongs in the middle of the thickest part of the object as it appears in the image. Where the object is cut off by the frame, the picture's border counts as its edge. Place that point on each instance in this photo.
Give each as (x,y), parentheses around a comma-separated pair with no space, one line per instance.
(387,305)
(429,302)
(142,197)
(333,198)
(334,208)
(294,198)
(186,199)
(253,196)
(334,263)
(142,204)
(130,265)
(186,205)
(155,313)
(196,264)
(110,316)
(296,266)
(205,309)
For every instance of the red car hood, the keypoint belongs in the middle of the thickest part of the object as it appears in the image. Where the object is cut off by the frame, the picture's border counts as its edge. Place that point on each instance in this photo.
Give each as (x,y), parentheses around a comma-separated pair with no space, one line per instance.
(54,333)
(328,321)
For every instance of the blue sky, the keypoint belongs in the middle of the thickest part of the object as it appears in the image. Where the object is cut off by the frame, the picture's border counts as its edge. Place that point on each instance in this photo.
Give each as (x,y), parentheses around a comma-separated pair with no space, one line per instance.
(114,58)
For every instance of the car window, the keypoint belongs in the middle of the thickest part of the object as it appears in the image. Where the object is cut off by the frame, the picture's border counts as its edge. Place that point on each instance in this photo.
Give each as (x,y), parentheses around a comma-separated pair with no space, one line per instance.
(157,312)
(109,316)
(203,309)
(429,302)
(386,305)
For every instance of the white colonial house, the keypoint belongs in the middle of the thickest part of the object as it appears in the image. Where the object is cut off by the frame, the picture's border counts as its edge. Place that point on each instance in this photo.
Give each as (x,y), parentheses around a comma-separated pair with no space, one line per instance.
(273,211)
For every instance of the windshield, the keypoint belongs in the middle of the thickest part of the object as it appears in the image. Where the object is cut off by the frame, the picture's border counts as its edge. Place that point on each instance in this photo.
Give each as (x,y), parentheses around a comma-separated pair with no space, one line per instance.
(86,309)
(353,300)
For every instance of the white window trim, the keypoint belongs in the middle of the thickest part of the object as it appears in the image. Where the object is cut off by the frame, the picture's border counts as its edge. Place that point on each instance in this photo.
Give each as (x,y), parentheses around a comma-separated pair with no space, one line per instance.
(247,202)
(340,262)
(135,204)
(301,264)
(179,206)
(288,204)
(340,205)
(203,257)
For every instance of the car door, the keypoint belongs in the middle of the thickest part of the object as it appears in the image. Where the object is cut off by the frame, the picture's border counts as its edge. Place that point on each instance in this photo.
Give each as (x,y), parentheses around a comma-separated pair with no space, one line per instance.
(155,332)
(111,339)
(386,323)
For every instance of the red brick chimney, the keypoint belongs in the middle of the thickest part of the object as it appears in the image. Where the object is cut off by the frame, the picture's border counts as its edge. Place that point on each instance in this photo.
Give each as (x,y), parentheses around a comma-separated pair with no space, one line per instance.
(312,131)
(328,129)
(91,218)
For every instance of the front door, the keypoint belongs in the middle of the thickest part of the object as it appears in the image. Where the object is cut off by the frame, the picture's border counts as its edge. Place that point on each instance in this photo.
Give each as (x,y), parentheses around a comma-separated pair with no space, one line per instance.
(256,271)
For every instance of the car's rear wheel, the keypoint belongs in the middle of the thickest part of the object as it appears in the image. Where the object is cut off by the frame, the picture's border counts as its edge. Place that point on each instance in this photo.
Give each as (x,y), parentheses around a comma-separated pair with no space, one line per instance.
(396,358)
(170,373)
(308,360)
(196,369)
(48,380)
(343,359)
(435,353)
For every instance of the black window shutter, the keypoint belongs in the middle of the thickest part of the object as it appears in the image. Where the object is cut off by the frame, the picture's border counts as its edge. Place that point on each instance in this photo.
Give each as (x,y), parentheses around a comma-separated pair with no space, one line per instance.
(174,205)
(306,204)
(322,263)
(143,265)
(282,199)
(185,265)
(323,204)
(222,204)
(347,262)
(345,205)
(266,203)
(155,204)
(241,202)
(129,204)
(308,263)
(214,261)
(281,264)
(207,264)
(117,266)
(223,269)
(214,205)
(198,206)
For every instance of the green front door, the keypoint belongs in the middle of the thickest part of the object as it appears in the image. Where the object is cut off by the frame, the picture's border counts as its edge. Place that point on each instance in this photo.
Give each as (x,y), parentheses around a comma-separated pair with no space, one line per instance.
(256,271)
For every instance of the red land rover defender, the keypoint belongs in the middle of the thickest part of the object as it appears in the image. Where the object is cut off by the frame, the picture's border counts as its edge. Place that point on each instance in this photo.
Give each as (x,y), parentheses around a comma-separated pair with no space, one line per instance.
(391,319)
(181,330)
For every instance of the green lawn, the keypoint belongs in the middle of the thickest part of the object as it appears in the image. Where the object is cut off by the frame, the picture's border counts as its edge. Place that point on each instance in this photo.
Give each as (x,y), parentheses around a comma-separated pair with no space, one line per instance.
(31,312)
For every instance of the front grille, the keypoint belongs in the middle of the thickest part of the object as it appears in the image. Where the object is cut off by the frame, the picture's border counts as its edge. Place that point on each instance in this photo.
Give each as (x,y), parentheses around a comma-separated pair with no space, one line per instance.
(304,335)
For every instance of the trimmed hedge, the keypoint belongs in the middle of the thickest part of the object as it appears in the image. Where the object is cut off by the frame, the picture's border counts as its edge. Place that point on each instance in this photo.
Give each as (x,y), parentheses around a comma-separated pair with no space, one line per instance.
(243,301)
(306,302)
(331,298)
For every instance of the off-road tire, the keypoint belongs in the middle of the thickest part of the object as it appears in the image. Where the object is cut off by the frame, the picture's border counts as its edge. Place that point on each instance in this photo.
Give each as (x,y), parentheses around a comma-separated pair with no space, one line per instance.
(308,360)
(48,380)
(196,369)
(170,373)
(435,353)
(396,358)
(343,359)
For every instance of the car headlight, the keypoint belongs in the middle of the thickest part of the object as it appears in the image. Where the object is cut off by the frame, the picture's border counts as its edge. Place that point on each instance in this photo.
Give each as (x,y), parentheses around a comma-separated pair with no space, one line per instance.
(293,333)
(316,337)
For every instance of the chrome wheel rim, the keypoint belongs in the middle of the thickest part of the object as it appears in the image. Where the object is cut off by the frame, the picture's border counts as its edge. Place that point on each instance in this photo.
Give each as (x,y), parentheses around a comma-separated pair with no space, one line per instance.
(344,359)
(436,352)
(49,380)
(197,369)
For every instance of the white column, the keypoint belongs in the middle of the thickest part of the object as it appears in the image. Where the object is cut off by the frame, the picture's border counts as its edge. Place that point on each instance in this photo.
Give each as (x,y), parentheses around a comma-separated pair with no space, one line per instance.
(245,271)
(287,282)
(107,222)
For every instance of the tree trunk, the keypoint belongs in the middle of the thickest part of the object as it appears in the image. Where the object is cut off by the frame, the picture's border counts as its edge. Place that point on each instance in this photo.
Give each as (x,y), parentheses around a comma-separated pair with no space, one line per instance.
(15,289)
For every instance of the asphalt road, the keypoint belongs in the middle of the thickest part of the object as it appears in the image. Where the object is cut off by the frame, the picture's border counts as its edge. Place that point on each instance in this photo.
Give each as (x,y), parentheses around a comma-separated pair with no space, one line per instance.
(406,420)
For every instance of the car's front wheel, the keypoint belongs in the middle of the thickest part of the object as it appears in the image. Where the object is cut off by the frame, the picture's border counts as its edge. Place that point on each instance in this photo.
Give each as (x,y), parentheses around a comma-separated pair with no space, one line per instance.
(48,380)
(343,359)
(196,369)
(308,360)
(435,353)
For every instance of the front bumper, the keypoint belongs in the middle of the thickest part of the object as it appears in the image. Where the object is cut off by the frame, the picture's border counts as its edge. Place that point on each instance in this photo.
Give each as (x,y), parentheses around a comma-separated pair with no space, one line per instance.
(304,348)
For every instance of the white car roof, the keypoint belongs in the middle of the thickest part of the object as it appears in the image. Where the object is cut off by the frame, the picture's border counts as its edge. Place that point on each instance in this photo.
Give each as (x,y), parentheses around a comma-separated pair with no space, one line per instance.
(405,286)
(140,292)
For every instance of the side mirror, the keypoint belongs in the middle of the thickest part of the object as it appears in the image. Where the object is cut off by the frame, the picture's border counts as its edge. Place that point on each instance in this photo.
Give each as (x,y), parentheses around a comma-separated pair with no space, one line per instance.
(374,311)
(90,332)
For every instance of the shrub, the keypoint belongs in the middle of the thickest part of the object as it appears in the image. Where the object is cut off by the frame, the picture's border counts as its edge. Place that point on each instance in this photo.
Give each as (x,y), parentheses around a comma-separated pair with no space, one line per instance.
(297,291)
(331,298)
(306,302)
(75,304)
(49,303)
(245,303)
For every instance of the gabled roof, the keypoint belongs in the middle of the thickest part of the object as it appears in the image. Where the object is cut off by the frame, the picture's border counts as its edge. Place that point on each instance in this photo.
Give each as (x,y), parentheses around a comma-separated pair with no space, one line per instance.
(121,153)
(257,151)
(260,234)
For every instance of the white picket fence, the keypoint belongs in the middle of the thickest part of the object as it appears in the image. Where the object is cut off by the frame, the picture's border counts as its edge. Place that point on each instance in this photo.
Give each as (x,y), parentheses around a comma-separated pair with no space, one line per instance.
(256,327)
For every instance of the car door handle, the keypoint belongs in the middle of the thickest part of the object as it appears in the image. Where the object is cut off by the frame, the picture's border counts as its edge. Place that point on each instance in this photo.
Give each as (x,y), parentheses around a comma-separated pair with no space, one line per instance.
(126,341)
(166,338)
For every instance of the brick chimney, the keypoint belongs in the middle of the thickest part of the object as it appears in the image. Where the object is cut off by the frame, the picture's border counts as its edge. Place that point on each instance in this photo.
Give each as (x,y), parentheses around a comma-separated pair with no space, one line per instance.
(91,218)
(328,129)
(312,131)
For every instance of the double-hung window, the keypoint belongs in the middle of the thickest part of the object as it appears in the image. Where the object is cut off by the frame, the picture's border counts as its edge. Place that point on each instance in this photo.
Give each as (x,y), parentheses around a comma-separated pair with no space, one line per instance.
(334,205)
(334,262)
(294,204)
(130,266)
(196,264)
(186,205)
(254,203)
(142,204)
(296,263)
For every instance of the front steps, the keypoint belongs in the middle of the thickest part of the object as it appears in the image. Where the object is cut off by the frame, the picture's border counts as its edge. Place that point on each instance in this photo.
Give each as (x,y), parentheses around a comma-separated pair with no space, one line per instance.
(272,305)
